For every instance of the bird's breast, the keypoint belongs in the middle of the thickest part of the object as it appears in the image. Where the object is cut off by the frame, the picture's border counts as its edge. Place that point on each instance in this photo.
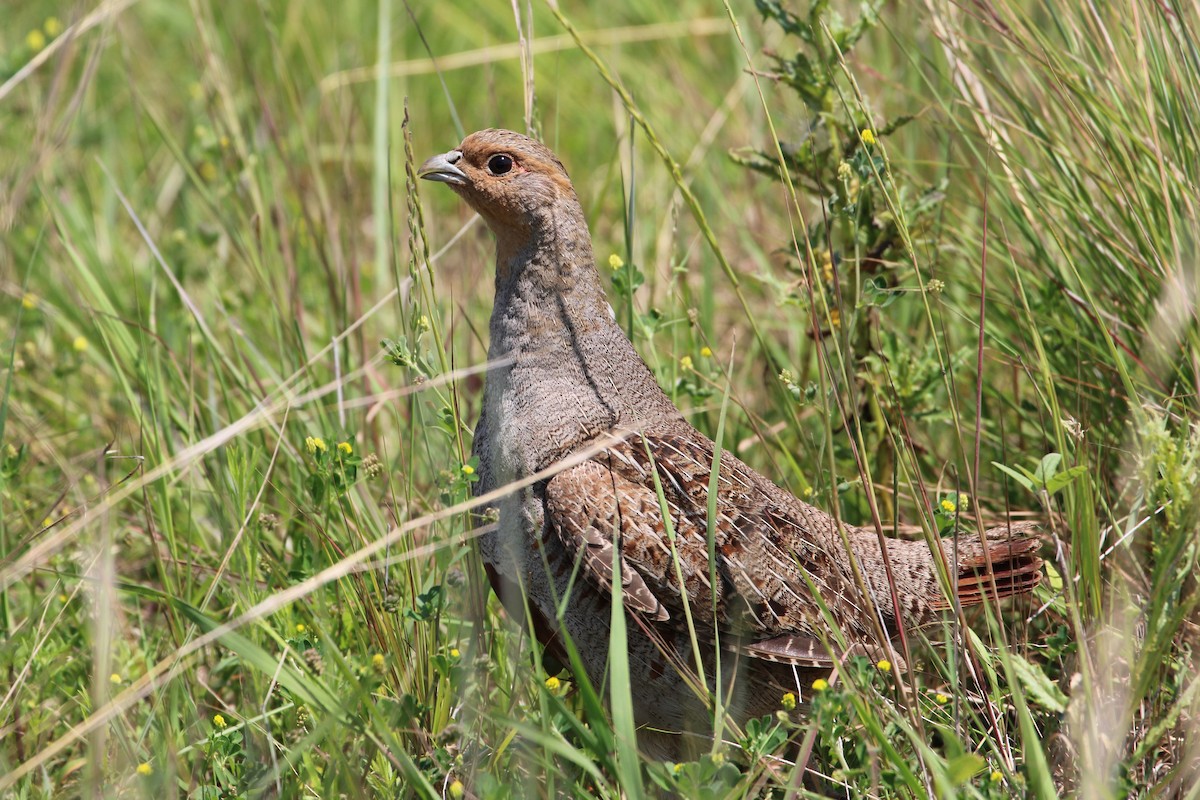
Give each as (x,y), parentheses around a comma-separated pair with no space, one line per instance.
(540,413)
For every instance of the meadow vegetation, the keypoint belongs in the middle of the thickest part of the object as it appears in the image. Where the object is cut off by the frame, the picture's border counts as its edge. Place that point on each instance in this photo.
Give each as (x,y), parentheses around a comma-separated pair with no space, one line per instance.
(933,265)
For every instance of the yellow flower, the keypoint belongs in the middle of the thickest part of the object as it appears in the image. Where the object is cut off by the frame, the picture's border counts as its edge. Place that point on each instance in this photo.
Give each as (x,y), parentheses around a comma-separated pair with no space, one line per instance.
(948,506)
(457,790)
(884,665)
(52,26)
(835,318)
(79,344)
(820,685)
(378,662)
(62,598)
(116,678)
(467,469)
(219,721)
(615,261)
(963,500)
(844,173)
(552,683)
(423,322)
(867,137)
(301,627)
(996,776)
(208,172)
(345,448)
(706,352)
(788,701)
(677,769)
(454,652)
(29,302)
(808,491)
(941,699)
(685,363)
(35,40)
(143,768)
(315,443)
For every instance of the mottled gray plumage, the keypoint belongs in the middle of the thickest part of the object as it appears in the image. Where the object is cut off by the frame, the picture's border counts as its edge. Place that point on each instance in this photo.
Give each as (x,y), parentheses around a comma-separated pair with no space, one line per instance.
(567,381)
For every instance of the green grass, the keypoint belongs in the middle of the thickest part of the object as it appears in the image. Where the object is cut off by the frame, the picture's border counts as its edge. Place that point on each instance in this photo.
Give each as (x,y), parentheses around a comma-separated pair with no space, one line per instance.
(208,224)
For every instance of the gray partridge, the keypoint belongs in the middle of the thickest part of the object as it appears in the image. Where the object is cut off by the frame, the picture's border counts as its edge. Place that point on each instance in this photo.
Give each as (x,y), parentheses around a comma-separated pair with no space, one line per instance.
(568,389)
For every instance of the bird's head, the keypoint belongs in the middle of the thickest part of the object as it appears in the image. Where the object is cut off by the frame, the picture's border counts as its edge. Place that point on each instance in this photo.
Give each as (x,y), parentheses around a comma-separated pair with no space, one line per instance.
(514,182)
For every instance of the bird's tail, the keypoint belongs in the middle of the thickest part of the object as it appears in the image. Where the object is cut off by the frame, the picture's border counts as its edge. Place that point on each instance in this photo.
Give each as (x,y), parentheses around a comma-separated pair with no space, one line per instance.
(1012,551)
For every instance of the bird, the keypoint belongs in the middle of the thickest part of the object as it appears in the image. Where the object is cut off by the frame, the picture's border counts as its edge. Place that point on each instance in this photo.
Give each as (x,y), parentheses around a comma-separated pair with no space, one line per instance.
(612,495)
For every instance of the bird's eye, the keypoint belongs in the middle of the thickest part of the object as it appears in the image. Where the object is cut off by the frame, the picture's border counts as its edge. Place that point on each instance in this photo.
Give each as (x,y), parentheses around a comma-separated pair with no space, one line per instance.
(500,164)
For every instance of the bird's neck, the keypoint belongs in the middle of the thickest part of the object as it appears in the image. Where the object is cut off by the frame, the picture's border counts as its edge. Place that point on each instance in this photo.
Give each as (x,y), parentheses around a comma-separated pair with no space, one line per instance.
(548,264)
(561,357)
(548,295)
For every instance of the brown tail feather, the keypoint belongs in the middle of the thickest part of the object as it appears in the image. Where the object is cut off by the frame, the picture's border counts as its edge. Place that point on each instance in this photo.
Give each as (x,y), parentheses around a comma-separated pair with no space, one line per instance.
(1017,573)
(1016,565)
(1013,552)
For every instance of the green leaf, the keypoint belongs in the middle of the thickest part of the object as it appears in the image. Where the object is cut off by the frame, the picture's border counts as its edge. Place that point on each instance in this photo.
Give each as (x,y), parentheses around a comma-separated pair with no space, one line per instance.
(1064,479)
(1047,468)
(1039,688)
(962,768)
(620,693)
(1027,482)
(1046,476)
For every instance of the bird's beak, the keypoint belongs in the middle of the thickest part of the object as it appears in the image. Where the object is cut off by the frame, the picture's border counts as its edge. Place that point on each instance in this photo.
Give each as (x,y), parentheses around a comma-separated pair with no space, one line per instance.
(441,168)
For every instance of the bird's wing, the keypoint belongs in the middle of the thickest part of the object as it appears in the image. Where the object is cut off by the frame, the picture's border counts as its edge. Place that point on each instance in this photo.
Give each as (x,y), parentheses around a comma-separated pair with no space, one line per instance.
(590,508)
(759,597)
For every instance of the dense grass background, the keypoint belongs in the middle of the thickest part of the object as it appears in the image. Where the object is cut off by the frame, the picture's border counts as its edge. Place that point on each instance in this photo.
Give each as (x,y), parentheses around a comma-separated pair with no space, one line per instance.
(233,553)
